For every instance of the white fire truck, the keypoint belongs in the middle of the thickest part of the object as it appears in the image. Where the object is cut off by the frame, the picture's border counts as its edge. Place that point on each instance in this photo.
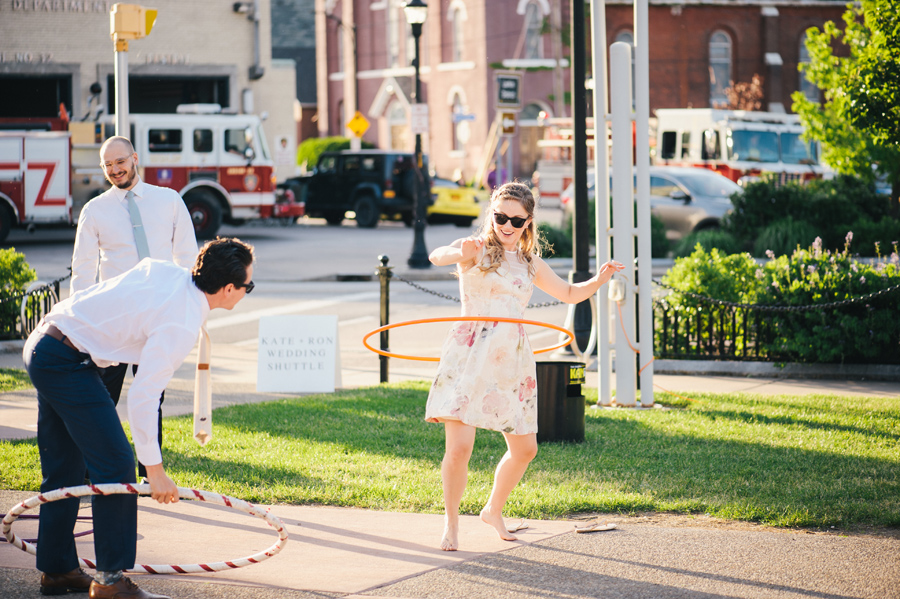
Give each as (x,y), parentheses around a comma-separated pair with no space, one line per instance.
(739,144)
(219,163)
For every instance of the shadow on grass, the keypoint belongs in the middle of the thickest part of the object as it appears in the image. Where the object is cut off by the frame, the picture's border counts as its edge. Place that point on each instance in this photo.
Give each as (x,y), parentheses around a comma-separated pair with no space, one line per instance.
(657,460)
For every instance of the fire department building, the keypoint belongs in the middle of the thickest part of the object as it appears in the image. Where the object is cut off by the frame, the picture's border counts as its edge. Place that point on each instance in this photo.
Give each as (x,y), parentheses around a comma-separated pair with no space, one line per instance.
(56,52)
(696,47)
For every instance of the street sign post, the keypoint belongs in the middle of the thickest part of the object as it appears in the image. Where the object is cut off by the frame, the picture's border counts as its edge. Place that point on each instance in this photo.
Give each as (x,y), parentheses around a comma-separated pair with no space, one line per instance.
(509,90)
(507,123)
(418,118)
(358,124)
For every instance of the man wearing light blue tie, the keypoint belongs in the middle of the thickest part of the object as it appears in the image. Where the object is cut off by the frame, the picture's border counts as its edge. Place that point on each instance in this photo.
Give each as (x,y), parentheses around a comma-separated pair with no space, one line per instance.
(131,221)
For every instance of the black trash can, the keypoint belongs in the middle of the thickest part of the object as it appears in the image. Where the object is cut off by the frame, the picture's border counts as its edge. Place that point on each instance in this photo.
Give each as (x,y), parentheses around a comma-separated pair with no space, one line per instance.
(560,401)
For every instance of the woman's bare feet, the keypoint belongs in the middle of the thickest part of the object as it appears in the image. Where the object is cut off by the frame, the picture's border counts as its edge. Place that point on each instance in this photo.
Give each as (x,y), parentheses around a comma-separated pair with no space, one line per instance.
(496,520)
(450,540)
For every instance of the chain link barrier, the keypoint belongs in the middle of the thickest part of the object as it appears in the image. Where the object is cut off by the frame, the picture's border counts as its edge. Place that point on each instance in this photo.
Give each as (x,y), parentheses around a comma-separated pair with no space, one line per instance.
(452,298)
(764,308)
(702,298)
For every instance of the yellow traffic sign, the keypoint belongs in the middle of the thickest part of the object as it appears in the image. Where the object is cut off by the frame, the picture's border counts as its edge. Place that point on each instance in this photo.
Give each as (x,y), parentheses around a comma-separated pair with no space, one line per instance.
(358,124)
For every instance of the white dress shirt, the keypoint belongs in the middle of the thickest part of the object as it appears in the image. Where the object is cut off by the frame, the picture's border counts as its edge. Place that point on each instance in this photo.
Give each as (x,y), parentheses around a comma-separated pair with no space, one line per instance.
(105,237)
(150,315)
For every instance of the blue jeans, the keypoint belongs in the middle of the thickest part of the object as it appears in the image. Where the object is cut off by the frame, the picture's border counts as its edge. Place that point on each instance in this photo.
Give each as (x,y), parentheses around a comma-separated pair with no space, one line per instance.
(78,427)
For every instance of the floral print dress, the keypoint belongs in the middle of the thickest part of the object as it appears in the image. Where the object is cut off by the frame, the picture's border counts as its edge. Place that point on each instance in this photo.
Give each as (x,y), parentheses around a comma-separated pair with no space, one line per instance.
(486,377)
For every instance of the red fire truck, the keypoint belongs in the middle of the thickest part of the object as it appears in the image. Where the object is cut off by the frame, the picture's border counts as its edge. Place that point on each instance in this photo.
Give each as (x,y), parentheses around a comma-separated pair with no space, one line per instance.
(219,163)
(741,145)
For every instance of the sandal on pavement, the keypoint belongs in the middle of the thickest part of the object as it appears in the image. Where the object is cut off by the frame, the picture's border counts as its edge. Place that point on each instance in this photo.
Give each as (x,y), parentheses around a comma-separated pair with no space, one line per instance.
(520,525)
(594,527)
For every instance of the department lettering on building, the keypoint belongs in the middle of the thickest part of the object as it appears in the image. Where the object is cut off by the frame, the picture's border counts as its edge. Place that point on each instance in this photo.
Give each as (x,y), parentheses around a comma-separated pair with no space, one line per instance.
(100,6)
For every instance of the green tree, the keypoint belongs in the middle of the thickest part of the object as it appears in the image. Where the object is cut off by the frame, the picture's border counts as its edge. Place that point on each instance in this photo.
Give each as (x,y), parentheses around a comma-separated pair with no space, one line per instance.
(857,125)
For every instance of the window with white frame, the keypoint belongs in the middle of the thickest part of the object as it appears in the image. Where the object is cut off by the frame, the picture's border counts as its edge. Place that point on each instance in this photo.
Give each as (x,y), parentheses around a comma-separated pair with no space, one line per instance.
(719,67)
(807,87)
(456,14)
(534,22)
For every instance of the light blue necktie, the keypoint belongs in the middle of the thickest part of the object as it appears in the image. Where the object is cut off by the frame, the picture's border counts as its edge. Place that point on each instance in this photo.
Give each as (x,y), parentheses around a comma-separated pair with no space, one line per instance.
(140,237)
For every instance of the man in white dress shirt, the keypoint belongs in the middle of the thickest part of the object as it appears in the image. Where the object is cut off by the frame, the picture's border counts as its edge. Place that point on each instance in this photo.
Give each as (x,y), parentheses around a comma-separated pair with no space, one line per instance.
(78,427)
(106,246)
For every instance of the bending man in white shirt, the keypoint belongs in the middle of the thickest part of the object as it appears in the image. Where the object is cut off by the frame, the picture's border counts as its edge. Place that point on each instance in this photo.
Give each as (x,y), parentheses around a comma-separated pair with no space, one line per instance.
(105,243)
(77,422)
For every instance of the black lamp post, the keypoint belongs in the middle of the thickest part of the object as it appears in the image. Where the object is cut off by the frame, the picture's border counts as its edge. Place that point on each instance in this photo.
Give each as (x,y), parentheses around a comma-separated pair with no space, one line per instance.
(416,11)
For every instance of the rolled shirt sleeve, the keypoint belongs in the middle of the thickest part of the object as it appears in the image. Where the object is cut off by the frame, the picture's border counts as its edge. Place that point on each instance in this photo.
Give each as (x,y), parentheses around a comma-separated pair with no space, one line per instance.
(164,352)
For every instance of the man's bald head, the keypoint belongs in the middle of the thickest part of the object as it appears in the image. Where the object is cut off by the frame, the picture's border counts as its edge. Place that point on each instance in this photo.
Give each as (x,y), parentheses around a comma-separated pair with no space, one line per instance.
(117,140)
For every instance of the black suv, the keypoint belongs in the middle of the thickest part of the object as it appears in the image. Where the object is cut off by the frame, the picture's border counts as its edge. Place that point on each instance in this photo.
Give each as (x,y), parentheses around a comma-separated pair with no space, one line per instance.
(371,183)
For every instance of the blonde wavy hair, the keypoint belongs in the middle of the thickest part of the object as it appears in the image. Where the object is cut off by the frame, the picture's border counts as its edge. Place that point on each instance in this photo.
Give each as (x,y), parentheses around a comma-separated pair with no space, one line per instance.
(529,244)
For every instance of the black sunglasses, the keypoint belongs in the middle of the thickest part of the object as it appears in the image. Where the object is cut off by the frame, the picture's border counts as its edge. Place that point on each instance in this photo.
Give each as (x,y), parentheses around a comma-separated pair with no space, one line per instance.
(248,286)
(517,221)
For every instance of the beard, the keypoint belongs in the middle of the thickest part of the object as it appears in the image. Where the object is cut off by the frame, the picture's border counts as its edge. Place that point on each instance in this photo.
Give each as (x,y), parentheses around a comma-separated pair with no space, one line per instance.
(127,181)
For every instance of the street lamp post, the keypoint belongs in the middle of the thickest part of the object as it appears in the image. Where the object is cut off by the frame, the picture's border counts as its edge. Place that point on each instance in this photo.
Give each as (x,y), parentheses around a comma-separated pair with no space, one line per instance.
(416,11)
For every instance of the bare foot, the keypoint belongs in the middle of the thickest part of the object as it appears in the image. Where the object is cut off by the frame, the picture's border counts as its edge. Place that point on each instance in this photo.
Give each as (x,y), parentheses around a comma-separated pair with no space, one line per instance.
(450,540)
(496,520)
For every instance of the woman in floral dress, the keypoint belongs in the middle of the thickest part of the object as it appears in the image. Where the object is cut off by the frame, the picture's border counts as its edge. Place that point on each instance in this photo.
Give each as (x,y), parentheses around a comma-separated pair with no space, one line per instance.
(486,378)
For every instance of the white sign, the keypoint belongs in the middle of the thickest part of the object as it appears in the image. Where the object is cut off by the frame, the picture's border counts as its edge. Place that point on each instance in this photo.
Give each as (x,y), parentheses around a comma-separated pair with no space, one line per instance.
(509,90)
(418,114)
(298,354)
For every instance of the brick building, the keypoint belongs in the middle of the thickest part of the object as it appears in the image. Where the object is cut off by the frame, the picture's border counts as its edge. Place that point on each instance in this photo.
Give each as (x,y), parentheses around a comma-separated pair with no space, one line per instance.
(697,48)
(56,52)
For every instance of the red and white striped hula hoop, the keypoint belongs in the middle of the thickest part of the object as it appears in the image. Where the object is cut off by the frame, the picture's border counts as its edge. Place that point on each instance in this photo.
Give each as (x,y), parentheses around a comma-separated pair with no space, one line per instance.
(183,493)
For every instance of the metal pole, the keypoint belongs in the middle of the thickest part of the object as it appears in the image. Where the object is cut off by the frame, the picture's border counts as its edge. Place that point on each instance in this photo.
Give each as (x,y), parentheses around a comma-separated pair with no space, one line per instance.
(419,256)
(601,187)
(642,151)
(122,88)
(581,243)
(384,276)
(623,215)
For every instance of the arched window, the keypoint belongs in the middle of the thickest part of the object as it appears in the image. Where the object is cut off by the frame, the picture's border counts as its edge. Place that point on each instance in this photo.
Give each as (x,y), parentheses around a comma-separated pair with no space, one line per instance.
(457,108)
(456,14)
(719,67)
(628,38)
(806,86)
(398,125)
(534,22)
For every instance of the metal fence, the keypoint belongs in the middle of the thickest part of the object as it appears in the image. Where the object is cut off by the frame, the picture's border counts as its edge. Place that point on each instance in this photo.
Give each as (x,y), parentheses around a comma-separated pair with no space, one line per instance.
(706,329)
(20,313)
(712,329)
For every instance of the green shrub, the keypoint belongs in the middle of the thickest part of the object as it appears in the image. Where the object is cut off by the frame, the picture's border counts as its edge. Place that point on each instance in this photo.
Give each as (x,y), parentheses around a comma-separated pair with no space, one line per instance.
(829,208)
(555,241)
(713,274)
(707,239)
(872,238)
(15,275)
(863,332)
(784,236)
(860,332)
(310,149)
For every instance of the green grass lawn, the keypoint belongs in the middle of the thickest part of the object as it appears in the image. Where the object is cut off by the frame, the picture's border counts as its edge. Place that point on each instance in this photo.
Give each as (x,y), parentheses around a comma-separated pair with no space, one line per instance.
(781,460)
(13,379)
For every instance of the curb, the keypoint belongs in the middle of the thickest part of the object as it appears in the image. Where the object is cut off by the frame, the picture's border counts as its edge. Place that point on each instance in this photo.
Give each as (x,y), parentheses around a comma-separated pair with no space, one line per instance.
(793,370)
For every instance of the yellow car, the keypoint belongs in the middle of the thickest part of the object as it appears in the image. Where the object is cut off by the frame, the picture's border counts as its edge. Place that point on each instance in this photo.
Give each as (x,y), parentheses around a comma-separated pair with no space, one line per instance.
(453,203)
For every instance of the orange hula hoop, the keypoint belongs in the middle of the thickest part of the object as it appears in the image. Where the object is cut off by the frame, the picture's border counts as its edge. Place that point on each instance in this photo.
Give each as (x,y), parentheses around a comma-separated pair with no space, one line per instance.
(568,333)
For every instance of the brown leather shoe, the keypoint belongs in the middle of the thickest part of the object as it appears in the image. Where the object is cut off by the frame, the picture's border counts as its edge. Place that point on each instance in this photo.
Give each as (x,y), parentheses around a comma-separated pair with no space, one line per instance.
(121,589)
(76,581)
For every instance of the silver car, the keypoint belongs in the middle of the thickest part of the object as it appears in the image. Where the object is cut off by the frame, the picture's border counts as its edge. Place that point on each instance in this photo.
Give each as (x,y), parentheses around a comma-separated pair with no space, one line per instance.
(685,199)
